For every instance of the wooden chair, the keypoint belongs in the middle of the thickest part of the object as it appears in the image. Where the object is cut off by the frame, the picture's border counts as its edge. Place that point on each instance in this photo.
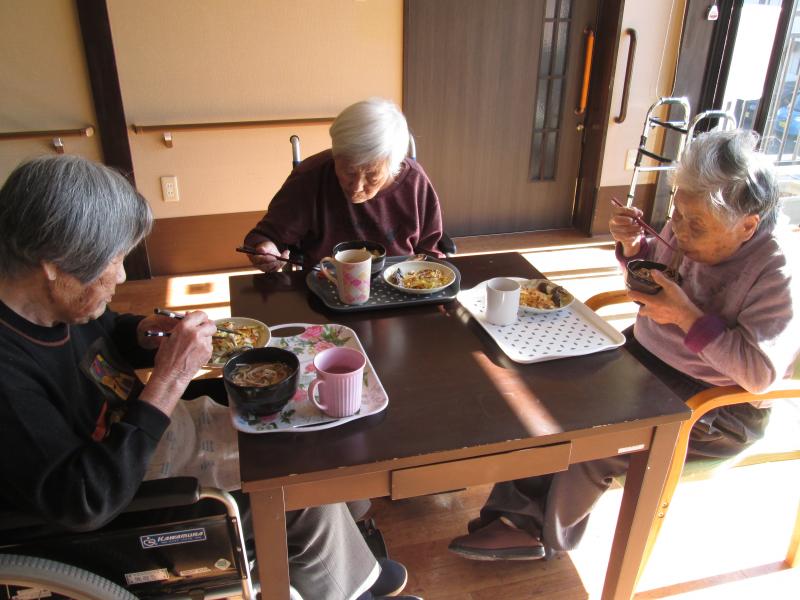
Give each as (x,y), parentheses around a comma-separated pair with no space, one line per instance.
(700,404)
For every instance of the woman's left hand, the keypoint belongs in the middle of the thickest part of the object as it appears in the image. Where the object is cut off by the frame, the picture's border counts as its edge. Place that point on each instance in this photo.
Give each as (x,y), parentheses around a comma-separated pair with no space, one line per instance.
(153,323)
(670,305)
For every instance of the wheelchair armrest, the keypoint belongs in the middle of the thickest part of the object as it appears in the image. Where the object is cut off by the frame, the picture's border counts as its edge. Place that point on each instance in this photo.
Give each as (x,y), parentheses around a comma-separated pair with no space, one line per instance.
(165,493)
(447,245)
(158,493)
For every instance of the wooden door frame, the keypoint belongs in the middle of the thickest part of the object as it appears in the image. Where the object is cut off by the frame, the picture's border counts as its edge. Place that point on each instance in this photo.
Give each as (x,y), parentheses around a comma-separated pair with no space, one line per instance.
(112,127)
(601,83)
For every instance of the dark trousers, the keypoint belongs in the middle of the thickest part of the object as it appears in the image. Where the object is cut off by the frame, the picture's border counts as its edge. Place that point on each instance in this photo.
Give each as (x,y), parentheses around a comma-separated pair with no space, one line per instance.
(557,507)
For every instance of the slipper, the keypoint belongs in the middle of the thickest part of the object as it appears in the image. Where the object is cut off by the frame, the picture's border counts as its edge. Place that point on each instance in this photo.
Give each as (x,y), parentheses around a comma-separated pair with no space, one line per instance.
(391,581)
(498,541)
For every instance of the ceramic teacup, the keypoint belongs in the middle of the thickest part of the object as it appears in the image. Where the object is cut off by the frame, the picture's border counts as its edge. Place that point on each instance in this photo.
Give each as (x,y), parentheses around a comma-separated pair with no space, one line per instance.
(339,375)
(353,270)
(502,301)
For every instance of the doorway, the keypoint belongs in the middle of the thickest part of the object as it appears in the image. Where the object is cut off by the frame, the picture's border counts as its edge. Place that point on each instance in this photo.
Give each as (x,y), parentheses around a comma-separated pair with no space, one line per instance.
(491,90)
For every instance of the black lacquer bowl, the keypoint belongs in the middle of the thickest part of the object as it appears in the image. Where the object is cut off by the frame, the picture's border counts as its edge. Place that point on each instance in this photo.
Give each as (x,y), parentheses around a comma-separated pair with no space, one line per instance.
(261,400)
(637,276)
(377,250)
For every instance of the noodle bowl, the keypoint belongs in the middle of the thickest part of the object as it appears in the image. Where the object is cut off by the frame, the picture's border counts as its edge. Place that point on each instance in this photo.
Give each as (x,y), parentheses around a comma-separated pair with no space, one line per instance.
(260,374)
(261,381)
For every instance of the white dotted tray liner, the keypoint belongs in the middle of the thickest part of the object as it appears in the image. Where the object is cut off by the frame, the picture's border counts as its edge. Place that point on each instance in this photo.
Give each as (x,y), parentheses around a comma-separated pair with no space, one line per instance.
(572,331)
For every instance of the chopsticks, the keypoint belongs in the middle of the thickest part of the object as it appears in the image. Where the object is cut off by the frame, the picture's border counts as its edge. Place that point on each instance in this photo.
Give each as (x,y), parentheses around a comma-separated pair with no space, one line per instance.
(645,225)
(174,315)
(152,333)
(254,252)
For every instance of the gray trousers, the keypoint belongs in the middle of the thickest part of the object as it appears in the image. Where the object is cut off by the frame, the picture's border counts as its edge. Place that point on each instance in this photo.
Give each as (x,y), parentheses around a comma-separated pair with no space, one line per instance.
(328,557)
(557,507)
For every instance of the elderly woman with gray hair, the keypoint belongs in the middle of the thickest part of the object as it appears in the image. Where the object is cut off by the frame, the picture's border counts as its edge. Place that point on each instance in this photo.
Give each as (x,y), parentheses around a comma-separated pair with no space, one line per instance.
(733,320)
(79,424)
(363,188)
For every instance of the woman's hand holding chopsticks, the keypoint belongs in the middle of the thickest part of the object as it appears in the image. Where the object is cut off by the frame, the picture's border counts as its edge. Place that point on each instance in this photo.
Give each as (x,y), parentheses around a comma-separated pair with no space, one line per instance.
(626,228)
(266,256)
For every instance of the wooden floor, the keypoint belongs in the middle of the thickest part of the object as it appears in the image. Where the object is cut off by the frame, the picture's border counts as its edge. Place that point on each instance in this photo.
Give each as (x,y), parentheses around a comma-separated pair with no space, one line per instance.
(723,539)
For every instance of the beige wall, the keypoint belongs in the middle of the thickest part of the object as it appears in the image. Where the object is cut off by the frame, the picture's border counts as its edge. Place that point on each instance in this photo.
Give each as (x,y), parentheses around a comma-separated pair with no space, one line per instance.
(187,61)
(43,78)
(206,60)
(658,27)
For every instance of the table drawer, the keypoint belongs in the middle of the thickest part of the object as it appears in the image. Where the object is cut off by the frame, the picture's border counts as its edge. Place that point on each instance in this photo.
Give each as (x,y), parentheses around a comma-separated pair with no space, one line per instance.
(430,479)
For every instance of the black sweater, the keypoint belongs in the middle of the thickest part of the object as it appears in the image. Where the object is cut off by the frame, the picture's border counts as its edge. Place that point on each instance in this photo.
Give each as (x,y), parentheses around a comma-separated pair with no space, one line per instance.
(75,439)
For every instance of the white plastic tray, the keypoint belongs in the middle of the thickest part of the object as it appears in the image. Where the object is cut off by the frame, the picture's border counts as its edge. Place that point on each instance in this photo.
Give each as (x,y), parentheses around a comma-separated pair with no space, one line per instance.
(300,414)
(573,331)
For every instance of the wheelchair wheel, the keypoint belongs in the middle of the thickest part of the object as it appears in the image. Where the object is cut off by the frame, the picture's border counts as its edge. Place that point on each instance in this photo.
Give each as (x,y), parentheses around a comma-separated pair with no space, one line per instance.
(29,573)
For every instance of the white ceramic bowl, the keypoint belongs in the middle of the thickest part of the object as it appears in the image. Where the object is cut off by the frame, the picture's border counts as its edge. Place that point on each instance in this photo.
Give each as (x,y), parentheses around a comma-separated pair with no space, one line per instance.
(223,346)
(390,275)
(567,298)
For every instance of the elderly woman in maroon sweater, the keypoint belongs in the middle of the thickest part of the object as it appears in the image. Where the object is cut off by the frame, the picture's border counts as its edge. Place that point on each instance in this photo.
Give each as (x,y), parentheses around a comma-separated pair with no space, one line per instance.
(363,188)
(734,320)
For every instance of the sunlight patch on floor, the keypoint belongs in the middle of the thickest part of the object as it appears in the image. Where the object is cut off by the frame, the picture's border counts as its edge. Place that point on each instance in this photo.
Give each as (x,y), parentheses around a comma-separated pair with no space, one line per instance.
(721,539)
(208,292)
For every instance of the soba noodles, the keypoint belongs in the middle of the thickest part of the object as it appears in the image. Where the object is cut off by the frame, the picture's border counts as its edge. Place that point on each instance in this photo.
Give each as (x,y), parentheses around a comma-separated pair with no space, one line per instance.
(260,374)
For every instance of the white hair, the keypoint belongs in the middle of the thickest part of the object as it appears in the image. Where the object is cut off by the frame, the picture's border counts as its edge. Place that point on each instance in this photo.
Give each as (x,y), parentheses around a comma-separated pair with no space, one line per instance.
(724,168)
(369,131)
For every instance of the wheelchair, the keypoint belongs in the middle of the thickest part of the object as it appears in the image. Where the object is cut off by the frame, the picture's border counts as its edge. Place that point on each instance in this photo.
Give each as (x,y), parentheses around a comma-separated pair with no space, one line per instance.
(176,540)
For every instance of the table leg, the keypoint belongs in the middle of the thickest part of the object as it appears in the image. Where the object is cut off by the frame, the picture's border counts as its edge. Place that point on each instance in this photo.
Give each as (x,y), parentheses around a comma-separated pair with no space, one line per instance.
(643,484)
(269,529)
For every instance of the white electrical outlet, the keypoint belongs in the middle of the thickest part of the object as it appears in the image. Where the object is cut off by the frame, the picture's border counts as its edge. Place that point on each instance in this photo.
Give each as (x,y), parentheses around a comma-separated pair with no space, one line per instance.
(169,188)
(630,159)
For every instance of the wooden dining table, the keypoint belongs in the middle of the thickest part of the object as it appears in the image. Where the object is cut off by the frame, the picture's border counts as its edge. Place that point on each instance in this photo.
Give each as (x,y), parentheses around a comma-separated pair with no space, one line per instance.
(460,414)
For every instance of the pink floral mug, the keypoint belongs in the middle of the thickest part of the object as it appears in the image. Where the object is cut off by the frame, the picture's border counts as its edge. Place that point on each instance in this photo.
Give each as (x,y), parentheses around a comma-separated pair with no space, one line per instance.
(352,274)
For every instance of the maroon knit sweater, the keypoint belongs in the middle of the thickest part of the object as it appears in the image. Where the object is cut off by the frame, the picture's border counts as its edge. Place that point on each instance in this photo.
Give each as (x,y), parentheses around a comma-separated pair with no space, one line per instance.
(310,210)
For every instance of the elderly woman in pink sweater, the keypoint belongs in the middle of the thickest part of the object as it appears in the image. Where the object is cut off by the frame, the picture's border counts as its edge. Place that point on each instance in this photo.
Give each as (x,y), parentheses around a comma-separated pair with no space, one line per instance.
(734,319)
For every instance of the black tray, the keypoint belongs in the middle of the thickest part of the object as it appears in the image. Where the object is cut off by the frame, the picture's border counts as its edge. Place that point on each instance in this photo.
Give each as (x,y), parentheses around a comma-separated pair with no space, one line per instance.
(381,294)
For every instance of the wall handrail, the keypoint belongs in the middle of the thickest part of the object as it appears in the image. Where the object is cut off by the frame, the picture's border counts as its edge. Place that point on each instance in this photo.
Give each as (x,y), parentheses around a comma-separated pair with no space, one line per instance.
(87,131)
(231,124)
(54,134)
(167,129)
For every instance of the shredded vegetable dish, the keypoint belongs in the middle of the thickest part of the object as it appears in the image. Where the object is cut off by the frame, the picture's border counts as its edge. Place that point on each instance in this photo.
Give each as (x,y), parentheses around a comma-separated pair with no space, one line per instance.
(543,295)
(260,374)
(533,298)
(424,279)
(225,343)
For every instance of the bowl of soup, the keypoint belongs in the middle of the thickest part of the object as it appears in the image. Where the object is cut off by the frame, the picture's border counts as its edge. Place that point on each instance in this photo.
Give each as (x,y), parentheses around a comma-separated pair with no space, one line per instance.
(378,252)
(638,276)
(261,381)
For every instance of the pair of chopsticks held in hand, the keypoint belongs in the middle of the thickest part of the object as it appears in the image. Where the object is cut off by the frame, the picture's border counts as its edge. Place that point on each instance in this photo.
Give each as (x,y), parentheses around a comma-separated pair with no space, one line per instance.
(645,225)
(174,315)
(254,252)
(676,258)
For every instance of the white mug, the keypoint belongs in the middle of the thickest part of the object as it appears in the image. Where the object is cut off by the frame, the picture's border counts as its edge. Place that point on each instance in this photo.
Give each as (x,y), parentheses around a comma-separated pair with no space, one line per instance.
(502,301)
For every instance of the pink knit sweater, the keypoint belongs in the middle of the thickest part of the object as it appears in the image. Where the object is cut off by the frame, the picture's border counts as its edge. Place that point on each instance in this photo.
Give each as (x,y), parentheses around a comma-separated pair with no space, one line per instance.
(750,334)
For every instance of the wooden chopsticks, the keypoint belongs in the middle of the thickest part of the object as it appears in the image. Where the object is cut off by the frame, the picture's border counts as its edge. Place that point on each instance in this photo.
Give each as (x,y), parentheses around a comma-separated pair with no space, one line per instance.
(645,225)
(254,252)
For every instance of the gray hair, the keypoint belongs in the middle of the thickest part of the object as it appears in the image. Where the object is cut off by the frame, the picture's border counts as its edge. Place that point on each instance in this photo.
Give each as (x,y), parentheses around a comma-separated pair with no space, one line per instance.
(72,212)
(371,130)
(724,167)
